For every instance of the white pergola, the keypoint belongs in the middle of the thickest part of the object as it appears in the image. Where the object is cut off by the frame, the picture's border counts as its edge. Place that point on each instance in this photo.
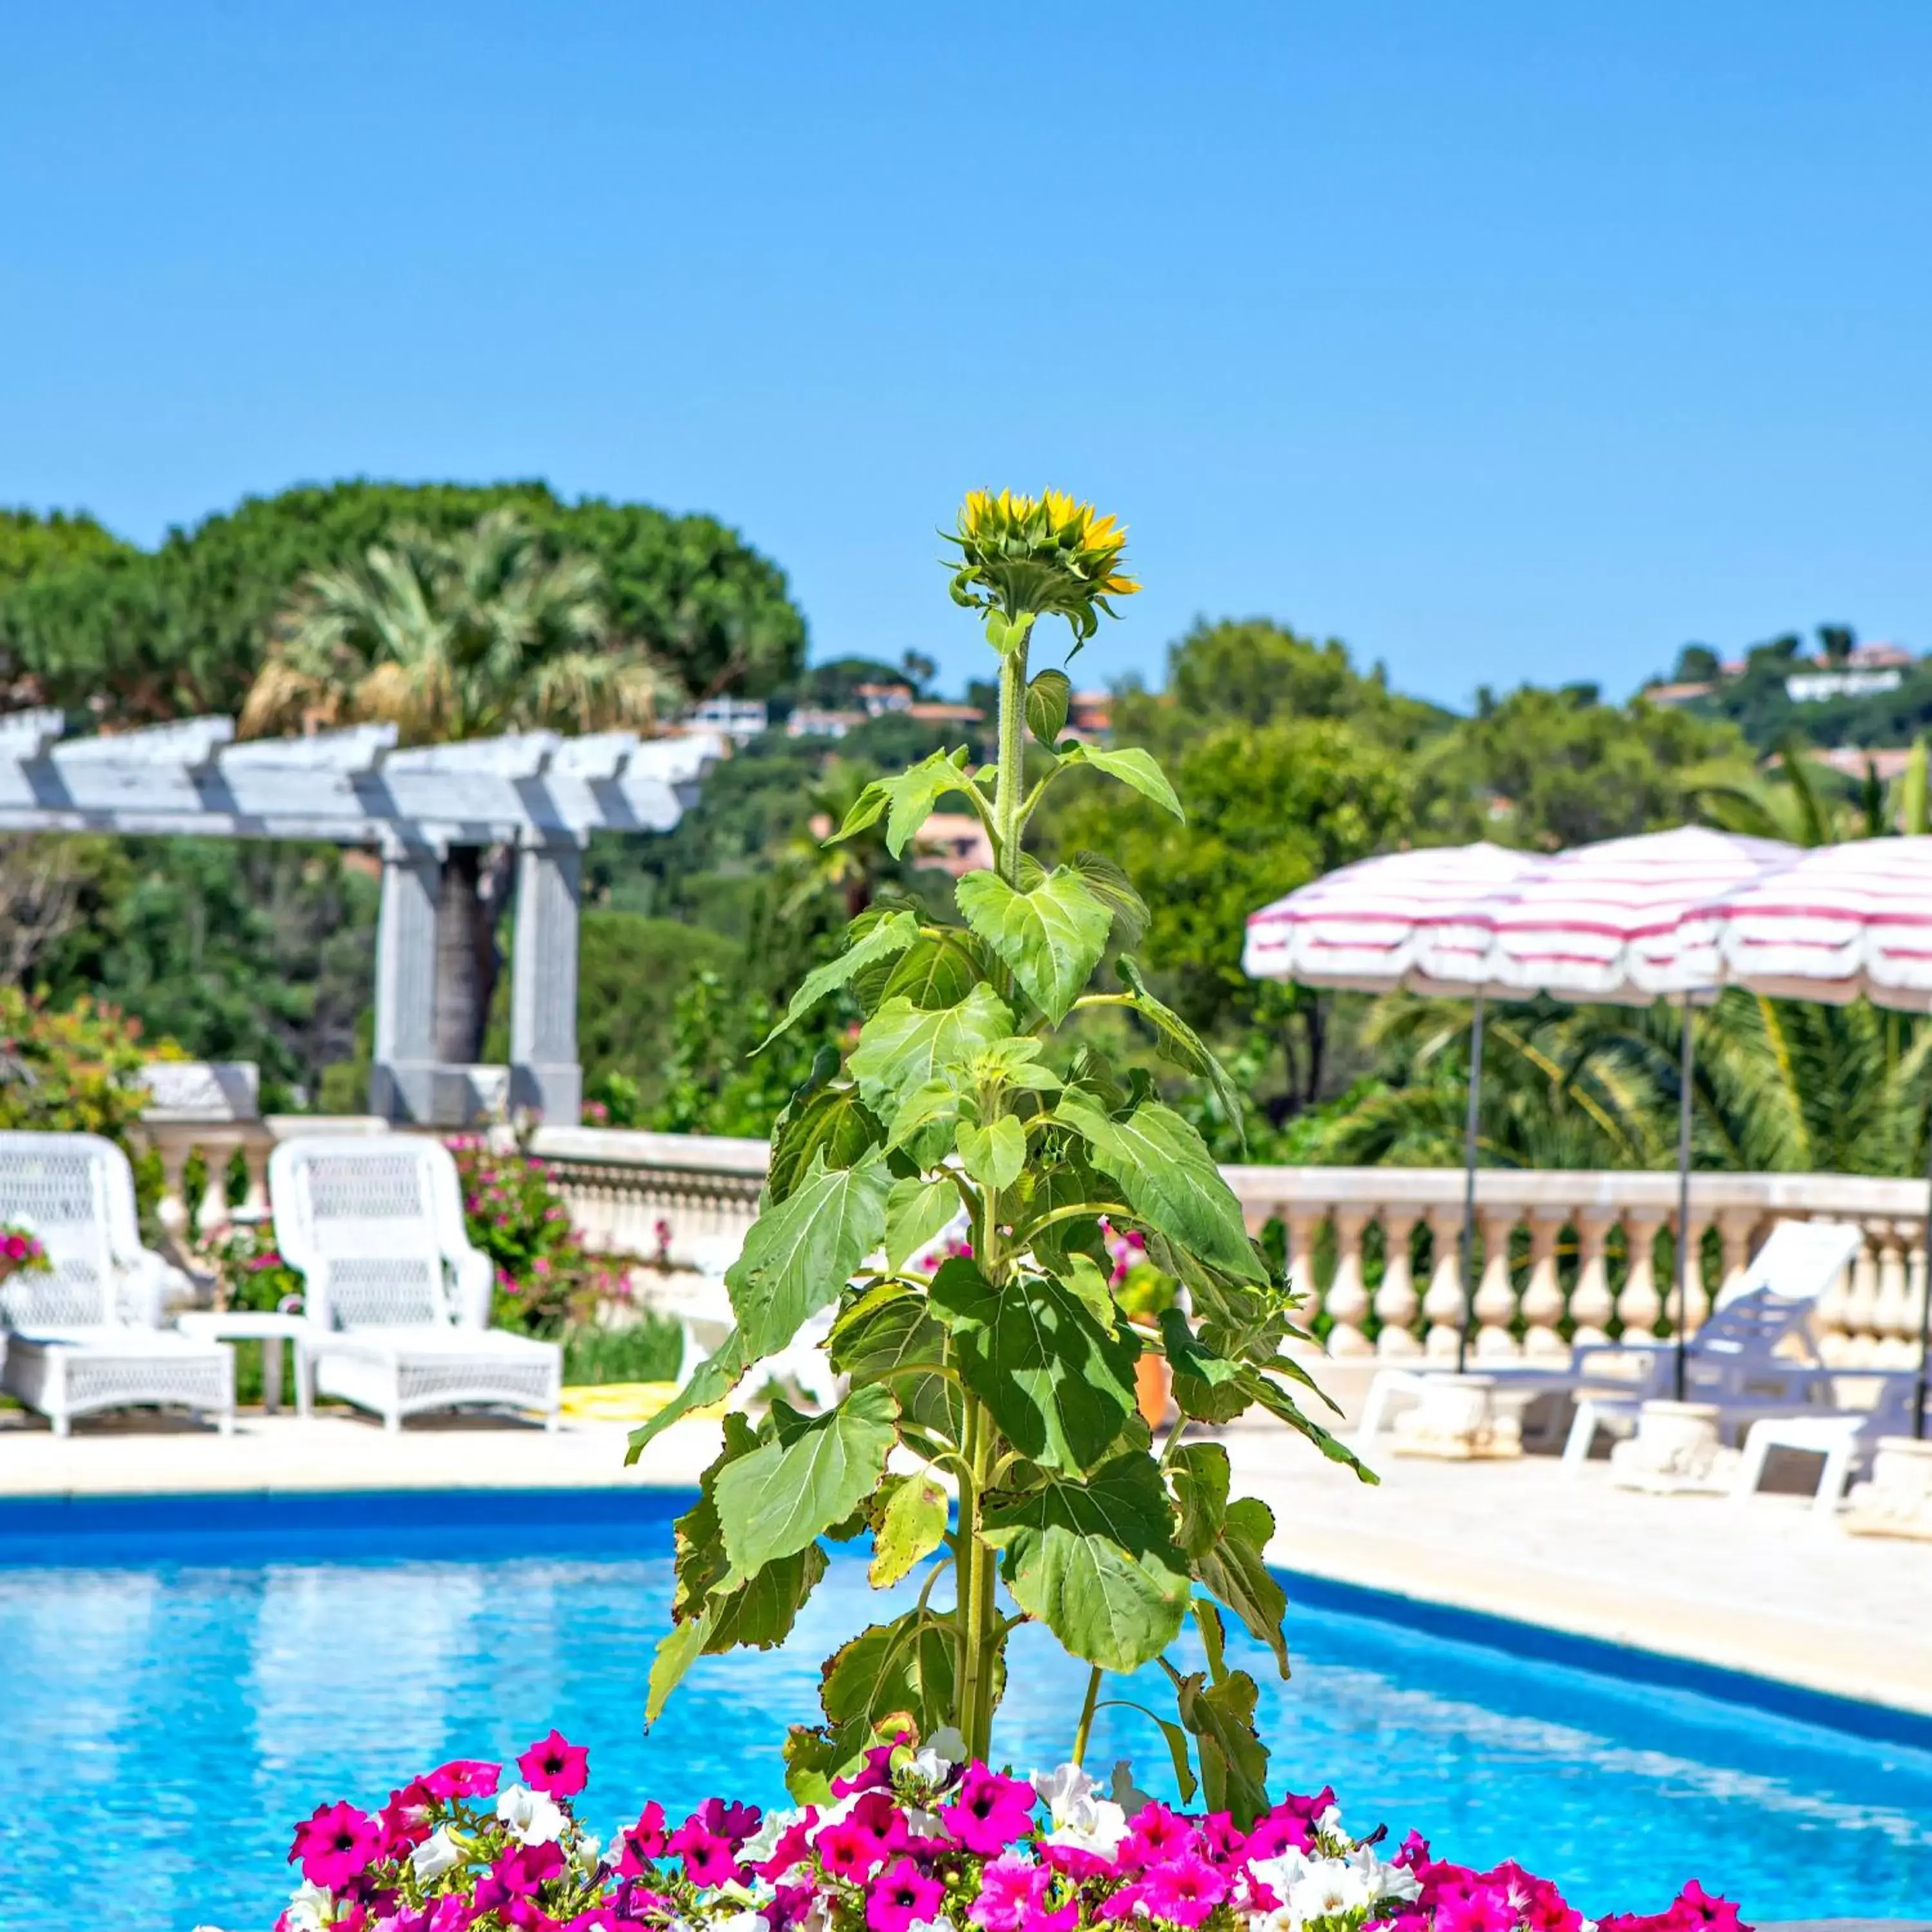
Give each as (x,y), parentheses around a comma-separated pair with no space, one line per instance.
(538,791)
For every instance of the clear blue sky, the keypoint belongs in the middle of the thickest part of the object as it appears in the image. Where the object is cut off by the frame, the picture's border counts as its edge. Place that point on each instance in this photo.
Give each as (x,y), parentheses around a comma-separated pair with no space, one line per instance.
(1506,341)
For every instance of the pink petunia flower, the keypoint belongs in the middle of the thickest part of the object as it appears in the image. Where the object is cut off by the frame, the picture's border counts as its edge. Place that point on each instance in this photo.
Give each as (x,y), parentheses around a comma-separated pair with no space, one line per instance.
(847,1853)
(335,1844)
(643,1844)
(900,1895)
(554,1766)
(462,1777)
(794,1846)
(1154,1836)
(707,1857)
(1184,1890)
(989,1811)
(734,1822)
(1012,1890)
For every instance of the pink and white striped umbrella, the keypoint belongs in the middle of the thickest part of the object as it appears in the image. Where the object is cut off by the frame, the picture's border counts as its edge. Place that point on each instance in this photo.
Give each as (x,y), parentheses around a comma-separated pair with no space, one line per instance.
(1843,922)
(1603,922)
(1360,927)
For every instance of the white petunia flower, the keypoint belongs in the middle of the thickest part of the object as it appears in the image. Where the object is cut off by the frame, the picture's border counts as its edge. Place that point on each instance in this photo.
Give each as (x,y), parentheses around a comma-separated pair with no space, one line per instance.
(925,1824)
(437,1854)
(764,1841)
(941,1923)
(307,1905)
(739,1921)
(935,1759)
(1061,1790)
(1331,1888)
(533,1816)
(1384,1881)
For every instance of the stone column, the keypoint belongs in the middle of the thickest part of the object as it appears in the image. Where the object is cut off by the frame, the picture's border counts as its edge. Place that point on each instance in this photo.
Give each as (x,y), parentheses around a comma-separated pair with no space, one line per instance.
(1496,1298)
(1542,1293)
(1734,1227)
(1395,1299)
(545,1073)
(1639,1304)
(402,1076)
(1442,1305)
(1892,1313)
(1590,1306)
(1860,1309)
(1347,1301)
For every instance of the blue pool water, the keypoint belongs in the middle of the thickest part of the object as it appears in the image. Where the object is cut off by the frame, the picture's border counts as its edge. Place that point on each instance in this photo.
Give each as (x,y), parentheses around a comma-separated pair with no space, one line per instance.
(172,1697)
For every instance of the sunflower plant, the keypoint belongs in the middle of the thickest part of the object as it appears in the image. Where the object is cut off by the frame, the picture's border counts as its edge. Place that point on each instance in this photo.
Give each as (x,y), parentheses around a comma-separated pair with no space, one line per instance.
(989,1438)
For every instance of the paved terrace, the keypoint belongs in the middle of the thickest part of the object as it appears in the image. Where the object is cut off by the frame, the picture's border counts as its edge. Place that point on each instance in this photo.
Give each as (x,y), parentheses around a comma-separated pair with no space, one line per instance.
(1759,1587)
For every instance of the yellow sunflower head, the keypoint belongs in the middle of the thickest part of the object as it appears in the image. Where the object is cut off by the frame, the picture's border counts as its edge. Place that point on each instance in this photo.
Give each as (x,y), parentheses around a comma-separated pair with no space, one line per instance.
(1044,554)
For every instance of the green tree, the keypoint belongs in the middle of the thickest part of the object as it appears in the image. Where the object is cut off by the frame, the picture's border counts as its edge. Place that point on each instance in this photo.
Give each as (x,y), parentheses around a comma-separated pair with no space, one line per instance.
(31,543)
(448,638)
(144,636)
(1011,1370)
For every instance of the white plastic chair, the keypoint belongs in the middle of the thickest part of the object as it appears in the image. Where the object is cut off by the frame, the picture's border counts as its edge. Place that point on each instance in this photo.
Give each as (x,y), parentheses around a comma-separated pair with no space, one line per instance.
(398,1300)
(1844,1438)
(86,1335)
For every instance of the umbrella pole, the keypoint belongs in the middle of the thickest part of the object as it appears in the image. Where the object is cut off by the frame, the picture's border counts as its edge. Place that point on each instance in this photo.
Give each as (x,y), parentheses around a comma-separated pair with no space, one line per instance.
(1469,1189)
(1925,1311)
(1683,1194)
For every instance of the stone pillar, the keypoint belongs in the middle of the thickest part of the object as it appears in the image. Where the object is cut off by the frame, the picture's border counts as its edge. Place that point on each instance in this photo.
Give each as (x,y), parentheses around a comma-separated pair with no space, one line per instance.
(1395,1299)
(1542,1293)
(1590,1305)
(1860,1309)
(1640,1304)
(544,1074)
(1896,1330)
(1495,1295)
(1734,1228)
(402,1076)
(1347,1300)
(1442,1304)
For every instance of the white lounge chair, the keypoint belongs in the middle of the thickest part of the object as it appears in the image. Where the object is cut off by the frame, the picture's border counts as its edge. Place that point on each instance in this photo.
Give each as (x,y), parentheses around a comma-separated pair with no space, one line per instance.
(1843,1438)
(1734,1360)
(397,1300)
(86,1335)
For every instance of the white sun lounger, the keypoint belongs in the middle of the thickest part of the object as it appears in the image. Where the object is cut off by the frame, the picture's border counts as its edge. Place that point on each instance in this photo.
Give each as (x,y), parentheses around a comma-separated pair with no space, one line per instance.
(1845,1438)
(398,1300)
(85,1335)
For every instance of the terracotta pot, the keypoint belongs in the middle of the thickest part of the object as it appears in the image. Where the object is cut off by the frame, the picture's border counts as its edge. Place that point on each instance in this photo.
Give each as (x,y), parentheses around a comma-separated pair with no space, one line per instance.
(1153,1389)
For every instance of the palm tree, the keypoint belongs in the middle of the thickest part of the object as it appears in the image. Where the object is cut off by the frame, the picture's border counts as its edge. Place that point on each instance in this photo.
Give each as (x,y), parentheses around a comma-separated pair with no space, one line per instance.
(448,637)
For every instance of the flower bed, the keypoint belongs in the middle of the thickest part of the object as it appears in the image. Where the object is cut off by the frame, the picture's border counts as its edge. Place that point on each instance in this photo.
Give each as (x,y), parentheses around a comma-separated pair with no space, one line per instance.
(916,1841)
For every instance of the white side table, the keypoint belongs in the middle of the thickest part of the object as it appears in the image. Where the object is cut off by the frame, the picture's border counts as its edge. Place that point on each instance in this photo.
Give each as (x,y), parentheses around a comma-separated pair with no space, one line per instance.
(271,1331)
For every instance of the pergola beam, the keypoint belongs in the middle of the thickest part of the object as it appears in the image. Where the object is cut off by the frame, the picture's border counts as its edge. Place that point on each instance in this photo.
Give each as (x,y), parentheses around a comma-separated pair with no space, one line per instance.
(539,791)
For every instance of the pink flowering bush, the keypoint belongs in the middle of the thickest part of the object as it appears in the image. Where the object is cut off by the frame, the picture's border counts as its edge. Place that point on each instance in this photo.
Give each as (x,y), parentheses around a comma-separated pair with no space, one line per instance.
(253,1272)
(913,1841)
(545,1278)
(20,1250)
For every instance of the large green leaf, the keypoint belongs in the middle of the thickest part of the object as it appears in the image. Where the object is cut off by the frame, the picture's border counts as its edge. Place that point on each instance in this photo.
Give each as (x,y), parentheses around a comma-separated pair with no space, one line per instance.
(1207,1386)
(677,1650)
(1180,1044)
(1234,1760)
(888,1328)
(1059,1385)
(1199,1474)
(698,1561)
(1047,696)
(1280,1404)
(1051,938)
(917,1212)
(903,1046)
(911,1525)
(713,1379)
(994,1154)
(889,937)
(1169,1179)
(1115,891)
(789,1491)
(905,1665)
(1235,1569)
(908,798)
(1095,1562)
(939,970)
(834,1121)
(759,1614)
(927,1120)
(1132,766)
(801,1252)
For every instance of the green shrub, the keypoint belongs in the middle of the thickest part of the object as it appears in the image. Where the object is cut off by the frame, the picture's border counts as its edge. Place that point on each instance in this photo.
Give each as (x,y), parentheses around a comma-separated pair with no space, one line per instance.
(76,1070)
(642,1351)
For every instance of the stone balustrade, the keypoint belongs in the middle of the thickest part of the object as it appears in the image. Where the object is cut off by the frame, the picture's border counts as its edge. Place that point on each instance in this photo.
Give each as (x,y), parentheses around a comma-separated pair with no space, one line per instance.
(1560,1255)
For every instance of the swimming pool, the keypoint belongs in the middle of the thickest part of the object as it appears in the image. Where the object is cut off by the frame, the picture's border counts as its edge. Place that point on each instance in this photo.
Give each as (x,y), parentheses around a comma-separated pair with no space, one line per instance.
(179,1682)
